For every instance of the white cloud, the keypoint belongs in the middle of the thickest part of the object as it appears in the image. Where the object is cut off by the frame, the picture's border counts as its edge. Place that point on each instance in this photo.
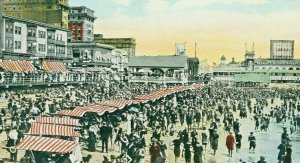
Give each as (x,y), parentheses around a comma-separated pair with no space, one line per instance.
(184,4)
(157,6)
(123,2)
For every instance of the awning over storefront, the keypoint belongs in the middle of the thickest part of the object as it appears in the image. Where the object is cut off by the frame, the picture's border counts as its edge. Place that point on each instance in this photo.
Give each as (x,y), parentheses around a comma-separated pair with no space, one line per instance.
(17,66)
(51,129)
(57,67)
(26,66)
(58,121)
(45,144)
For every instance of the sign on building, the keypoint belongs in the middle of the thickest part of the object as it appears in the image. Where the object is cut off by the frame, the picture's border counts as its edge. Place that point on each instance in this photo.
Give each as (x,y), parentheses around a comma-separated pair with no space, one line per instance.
(282,49)
(181,48)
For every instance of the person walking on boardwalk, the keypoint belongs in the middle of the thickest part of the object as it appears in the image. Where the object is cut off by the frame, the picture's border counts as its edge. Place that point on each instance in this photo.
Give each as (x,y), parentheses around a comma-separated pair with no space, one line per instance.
(214,141)
(252,141)
(230,143)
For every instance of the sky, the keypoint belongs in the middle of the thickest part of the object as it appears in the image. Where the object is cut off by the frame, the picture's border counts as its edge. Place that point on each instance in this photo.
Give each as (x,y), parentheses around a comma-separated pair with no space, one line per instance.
(219,27)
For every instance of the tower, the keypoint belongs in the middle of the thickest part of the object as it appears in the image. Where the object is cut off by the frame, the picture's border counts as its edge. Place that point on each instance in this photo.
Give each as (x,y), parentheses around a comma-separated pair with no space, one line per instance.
(223,60)
(249,58)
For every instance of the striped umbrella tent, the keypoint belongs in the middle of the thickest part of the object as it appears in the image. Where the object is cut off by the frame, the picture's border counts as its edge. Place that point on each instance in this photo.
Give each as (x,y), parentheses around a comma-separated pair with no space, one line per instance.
(52,130)
(45,144)
(57,120)
(120,104)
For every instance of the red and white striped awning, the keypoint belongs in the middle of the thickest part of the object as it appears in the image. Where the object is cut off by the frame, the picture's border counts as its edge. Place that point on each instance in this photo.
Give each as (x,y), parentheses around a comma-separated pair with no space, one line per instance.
(26,66)
(11,66)
(45,144)
(120,104)
(58,120)
(64,112)
(50,129)
(58,67)
(138,101)
(92,108)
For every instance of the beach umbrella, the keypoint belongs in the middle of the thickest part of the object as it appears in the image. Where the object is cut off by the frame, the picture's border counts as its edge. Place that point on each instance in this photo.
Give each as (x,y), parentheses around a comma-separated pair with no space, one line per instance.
(134,109)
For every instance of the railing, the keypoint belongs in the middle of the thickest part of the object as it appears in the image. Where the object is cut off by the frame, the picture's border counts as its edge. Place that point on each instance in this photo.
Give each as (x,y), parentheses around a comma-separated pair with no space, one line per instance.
(58,42)
(38,80)
(291,78)
(51,41)
(156,79)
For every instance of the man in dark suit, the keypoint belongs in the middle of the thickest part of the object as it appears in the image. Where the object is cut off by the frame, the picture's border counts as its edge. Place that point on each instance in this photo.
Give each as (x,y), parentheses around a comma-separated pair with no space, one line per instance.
(105,133)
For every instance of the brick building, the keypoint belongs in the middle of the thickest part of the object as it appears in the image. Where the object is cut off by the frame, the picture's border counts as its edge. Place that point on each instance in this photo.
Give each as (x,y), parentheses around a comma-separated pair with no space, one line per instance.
(81,23)
(54,12)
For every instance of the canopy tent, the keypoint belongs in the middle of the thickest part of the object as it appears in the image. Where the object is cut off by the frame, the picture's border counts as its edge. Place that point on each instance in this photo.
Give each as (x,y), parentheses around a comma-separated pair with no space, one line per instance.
(80,111)
(64,112)
(51,129)
(57,120)
(45,144)
(113,105)
(17,66)
(252,78)
(120,104)
(58,67)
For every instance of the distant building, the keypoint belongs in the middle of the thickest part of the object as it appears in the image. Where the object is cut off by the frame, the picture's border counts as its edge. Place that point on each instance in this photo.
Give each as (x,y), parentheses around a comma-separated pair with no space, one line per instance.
(162,69)
(90,54)
(127,44)
(26,39)
(225,72)
(282,49)
(54,12)
(81,23)
(281,67)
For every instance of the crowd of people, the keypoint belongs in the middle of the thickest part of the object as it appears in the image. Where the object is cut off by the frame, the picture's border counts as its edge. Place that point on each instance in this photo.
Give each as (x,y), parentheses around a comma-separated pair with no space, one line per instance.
(191,121)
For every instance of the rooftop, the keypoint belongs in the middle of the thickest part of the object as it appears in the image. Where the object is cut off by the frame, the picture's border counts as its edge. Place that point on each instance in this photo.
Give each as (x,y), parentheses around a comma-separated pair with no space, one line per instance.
(158,61)
(34,22)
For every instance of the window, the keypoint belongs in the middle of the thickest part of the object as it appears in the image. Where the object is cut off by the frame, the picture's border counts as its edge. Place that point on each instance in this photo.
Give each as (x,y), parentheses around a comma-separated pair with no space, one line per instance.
(17,30)
(6,44)
(51,35)
(51,48)
(31,32)
(17,44)
(42,47)
(9,44)
(30,46)
(42,34)
(60,50)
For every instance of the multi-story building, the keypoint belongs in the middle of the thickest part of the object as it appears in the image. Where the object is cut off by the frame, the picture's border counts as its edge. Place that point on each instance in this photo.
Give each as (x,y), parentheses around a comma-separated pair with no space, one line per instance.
(1,28)
(25,39)
(54,12)
(90,54)
(81,23)
(127,44)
